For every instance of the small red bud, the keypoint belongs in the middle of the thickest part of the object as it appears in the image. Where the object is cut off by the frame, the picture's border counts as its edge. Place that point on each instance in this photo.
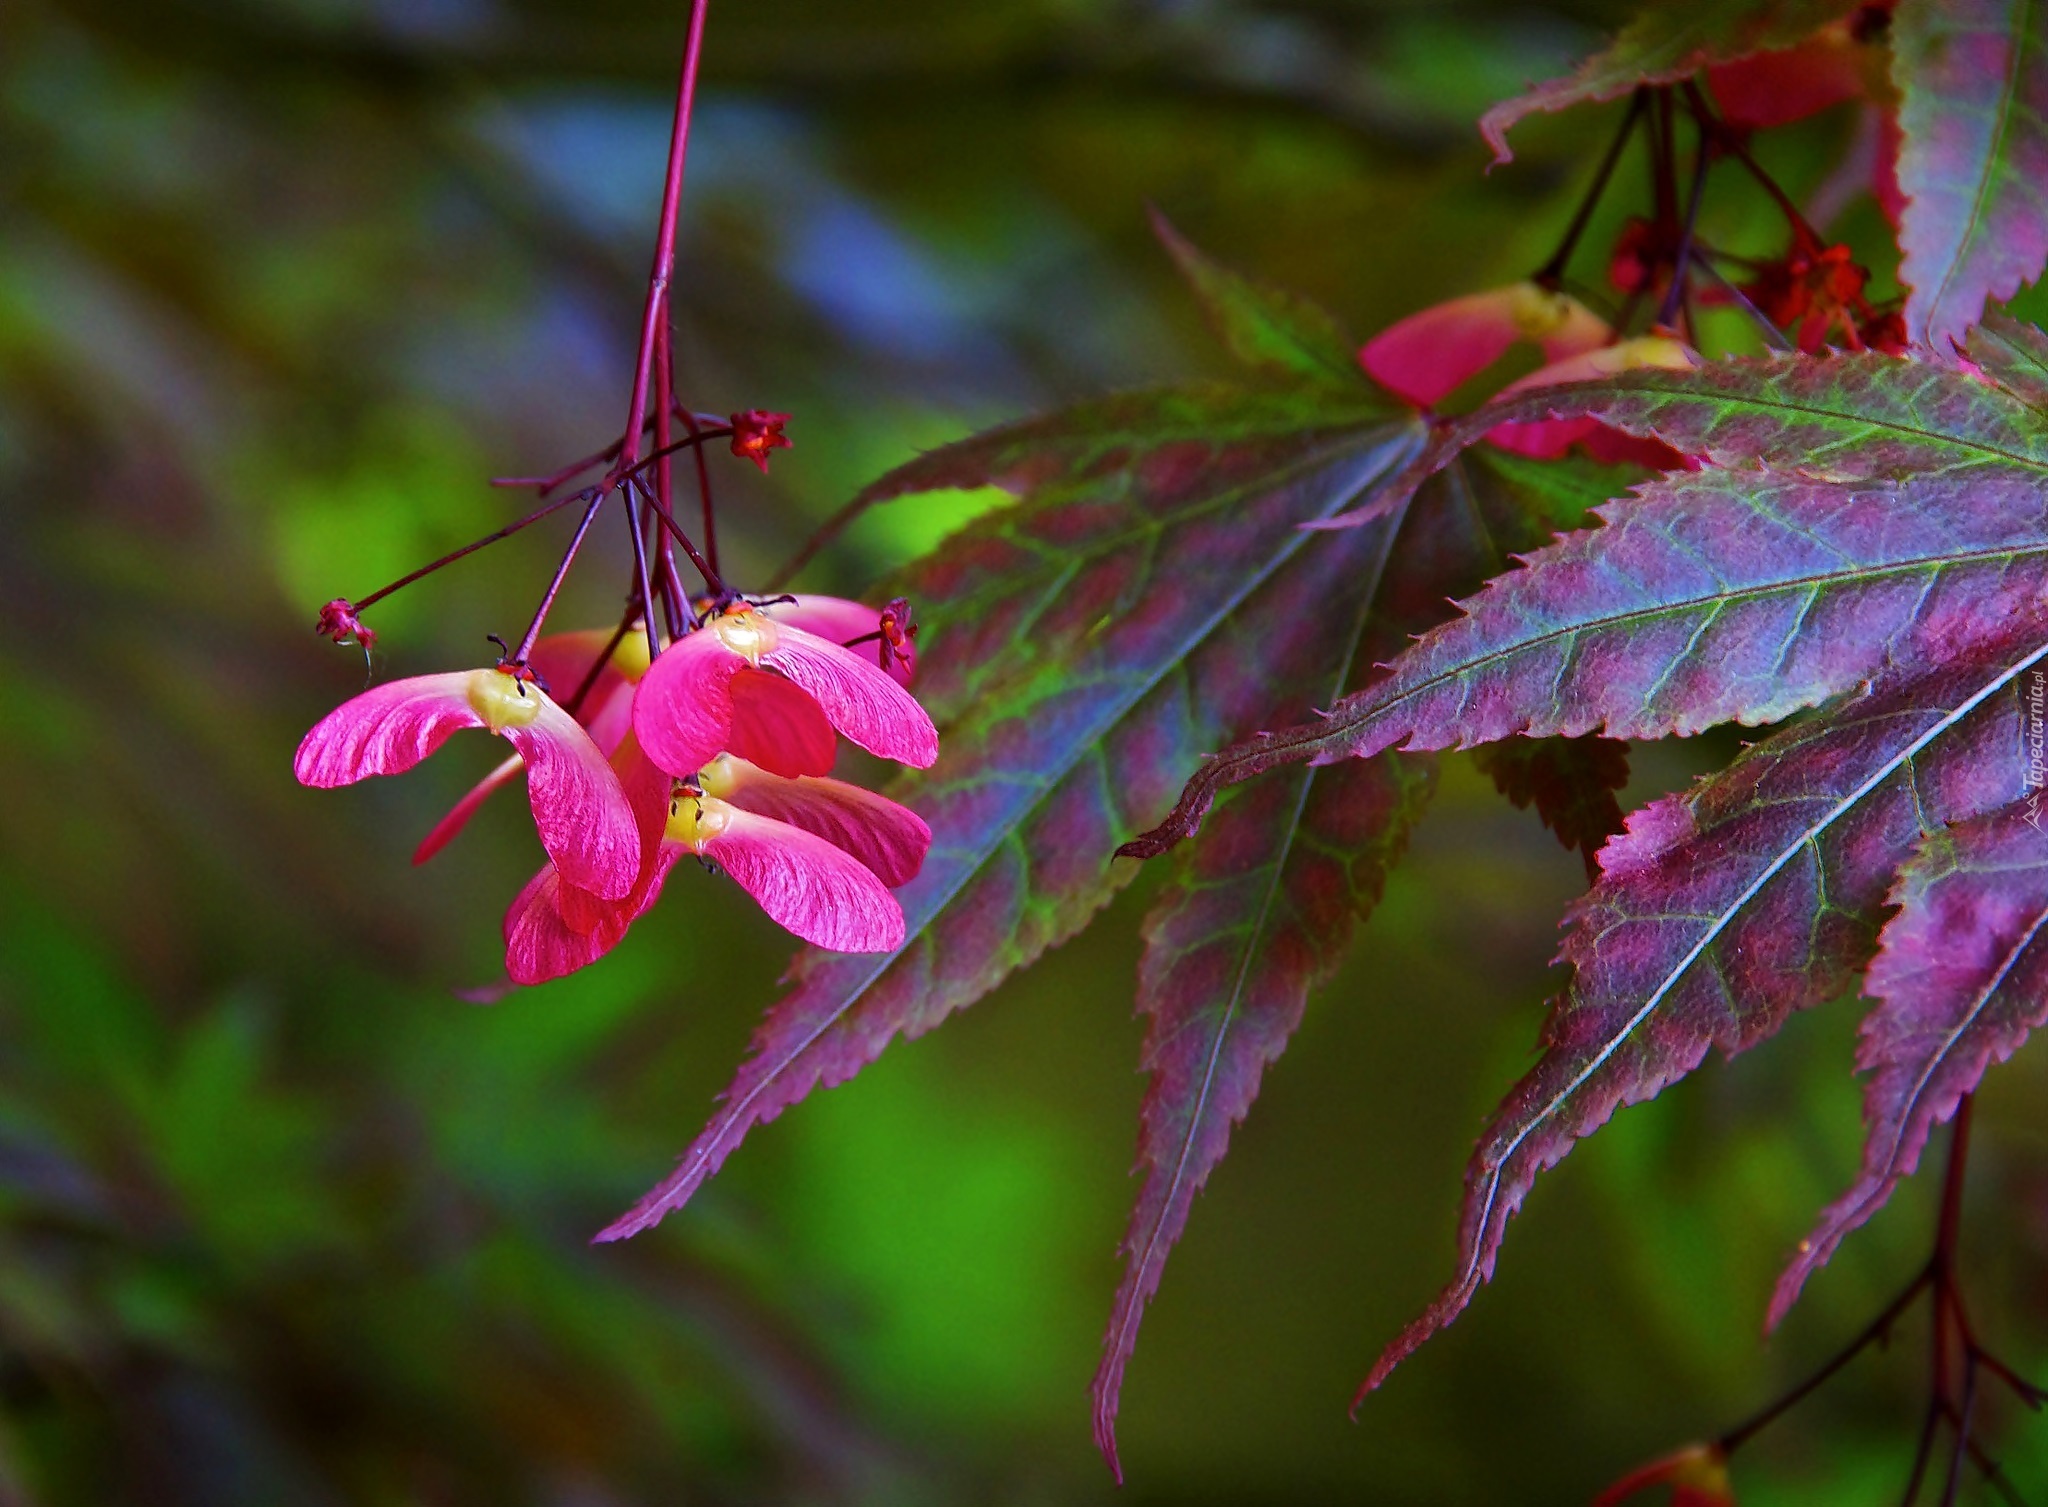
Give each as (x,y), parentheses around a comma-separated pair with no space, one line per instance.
(339,622)
(756,432)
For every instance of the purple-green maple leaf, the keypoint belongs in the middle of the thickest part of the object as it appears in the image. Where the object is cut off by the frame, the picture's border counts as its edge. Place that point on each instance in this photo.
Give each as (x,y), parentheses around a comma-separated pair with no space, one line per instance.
(1861,417)
(1663,45)
(1961,977)
(1709,597)
(1721,911)
(1914,593)
(1264,900)
(1972,77)
(1257,918)
(2015,356)
(1086,644)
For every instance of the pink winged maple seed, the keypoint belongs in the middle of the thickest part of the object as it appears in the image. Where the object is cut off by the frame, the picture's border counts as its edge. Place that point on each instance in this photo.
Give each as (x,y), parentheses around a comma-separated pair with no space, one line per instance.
(819,856)
(578,806)
(772,693)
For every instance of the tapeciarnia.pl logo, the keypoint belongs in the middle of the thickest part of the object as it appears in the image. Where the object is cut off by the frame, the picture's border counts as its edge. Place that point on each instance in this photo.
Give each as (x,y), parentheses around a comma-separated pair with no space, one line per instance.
(2036,738)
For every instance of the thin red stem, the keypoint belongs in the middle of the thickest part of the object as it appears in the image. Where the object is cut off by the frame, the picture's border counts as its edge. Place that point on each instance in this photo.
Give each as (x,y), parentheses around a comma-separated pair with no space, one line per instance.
(1676,297)
(1773,336)
(640,566)
(1731,143)
(1877,1329)
(664,476)
(546,484)
(704,483)
(712,581)
(561,572)
(656,310)
(575,703)
(1551,273)
(453,555)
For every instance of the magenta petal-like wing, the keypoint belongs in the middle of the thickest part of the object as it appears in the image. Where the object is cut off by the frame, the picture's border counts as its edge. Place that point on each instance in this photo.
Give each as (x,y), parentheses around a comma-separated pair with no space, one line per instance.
(779,725)
(682,708)
(540,944)
(807,886)
(858,697)
(841,620)
(579,806)
(386,730)
(888,839)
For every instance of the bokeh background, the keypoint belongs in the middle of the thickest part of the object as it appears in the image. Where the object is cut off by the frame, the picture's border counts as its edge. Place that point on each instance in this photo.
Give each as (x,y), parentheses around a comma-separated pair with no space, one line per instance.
(285,1221)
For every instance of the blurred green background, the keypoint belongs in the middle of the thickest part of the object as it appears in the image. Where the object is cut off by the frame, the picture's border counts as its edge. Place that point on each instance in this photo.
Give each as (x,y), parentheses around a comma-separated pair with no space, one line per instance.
(284,1221)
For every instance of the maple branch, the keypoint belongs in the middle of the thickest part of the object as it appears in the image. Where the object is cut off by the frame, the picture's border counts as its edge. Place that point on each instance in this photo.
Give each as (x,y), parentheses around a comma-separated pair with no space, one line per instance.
(1551,273)
(547,484)
(704,485)
(1950,1329)
(1876,1331)
(665,238)
(547,601)
(1677,295)
(712,580)
(1732,143)
(640,568)
(821,536)
(1774,337)
(468,549)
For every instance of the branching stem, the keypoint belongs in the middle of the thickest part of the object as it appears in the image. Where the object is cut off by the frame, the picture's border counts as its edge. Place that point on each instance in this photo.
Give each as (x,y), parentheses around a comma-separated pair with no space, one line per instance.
(471,548)
(1952,1340)
(1551,274)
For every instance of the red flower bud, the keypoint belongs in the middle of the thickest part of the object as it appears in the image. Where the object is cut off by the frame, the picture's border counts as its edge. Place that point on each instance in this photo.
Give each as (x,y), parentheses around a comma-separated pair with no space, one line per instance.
(756,432)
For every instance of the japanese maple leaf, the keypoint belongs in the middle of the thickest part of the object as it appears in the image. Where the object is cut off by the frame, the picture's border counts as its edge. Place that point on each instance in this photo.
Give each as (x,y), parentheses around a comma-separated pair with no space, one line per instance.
(1972,77)
(1151,594)
(1870,541)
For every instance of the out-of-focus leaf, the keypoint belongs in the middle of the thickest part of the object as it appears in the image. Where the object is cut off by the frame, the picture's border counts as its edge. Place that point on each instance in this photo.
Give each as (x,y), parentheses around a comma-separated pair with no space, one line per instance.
(1570,781)
(1961,978)
(1664,44)
(1096,637)
(1273,330)
(1972,77)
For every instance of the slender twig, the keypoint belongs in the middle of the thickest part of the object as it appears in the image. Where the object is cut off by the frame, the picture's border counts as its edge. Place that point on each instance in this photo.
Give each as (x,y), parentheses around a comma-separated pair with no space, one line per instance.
(704,483)
(1732,143)
(540,615)
(1950,1336)
(1774,337)
(665,237)
(640,567)
(575,703)
(1876,1330)
(712,582)
(1964,1414)
(1551,273)
(821,536)
(547,484)
(1675,296)
(471,548)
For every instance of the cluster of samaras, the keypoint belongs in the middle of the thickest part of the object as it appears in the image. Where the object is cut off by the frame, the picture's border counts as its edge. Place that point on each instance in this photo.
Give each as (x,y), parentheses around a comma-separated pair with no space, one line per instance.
(719,745)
